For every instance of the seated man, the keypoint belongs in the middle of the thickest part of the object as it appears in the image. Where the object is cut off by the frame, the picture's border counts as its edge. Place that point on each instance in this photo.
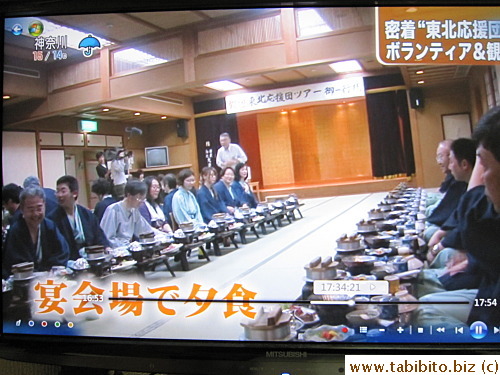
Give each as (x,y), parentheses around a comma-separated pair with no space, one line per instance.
(122,222)
(461,164)
(10,201)
(442,159)
(78,225)
(33,237)
(102,188)
(50,194)
(479,236)
(448,260)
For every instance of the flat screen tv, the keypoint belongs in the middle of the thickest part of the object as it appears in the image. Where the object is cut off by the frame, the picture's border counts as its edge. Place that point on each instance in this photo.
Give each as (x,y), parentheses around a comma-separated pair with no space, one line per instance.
(156,156)
(62,59)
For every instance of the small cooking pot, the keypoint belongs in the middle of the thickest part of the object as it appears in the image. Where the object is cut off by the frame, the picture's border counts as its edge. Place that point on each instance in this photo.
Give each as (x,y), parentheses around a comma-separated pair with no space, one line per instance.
(349,242)
(385,206)
(359,264)
(187,227)
(146,237)
(23,270)
(321,270)
(342,253)
(366,226)
(376,214)
(94,252)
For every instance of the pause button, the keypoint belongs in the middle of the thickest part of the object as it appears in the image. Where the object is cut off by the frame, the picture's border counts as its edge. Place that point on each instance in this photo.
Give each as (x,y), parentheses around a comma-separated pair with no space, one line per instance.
(478,330)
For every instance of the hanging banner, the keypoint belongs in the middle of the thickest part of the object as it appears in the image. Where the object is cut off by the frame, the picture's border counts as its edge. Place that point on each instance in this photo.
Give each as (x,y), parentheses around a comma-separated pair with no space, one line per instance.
(340,89)
(438,35)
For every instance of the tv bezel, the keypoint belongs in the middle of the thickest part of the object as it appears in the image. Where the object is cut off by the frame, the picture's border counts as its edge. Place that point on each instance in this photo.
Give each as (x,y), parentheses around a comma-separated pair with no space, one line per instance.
(156,148)
(192,356)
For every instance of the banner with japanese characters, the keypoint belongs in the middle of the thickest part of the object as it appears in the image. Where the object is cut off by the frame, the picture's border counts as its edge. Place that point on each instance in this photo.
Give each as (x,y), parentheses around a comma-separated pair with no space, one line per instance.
(127,306)
(339,89)
(438,35)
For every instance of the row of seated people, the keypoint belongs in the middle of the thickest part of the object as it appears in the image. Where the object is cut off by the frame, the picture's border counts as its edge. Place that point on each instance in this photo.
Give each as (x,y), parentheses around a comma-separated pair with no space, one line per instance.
(464,246)
(53,239)
(227,194)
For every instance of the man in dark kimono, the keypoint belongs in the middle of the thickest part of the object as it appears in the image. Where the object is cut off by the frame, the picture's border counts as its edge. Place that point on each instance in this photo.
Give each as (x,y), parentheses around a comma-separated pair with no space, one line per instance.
(33,237)
(79,226)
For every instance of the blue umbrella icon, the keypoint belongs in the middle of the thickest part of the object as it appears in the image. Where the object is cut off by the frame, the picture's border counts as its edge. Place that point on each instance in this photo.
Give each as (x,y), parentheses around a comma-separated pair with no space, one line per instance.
(89,43)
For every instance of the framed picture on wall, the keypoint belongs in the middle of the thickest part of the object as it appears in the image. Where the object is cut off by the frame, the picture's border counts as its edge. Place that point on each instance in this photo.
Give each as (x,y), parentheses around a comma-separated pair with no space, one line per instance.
(456,125)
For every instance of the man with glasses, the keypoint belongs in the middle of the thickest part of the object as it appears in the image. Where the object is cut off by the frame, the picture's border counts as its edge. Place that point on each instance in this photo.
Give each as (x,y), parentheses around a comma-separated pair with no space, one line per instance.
(122,222)
(33,237)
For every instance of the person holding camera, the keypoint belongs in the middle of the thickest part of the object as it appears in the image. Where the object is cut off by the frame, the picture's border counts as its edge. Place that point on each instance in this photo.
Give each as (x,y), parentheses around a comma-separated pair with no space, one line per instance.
(119,169)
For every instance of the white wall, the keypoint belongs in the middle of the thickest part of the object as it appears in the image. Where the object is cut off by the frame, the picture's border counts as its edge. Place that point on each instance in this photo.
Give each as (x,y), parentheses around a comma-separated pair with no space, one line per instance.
(19,157)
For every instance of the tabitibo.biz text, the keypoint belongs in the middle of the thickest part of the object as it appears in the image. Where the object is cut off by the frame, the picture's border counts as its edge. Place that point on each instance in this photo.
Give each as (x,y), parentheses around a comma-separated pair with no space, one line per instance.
(422,364)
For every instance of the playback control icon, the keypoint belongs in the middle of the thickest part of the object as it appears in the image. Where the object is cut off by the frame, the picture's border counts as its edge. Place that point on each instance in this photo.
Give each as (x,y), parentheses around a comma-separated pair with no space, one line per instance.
(478,330)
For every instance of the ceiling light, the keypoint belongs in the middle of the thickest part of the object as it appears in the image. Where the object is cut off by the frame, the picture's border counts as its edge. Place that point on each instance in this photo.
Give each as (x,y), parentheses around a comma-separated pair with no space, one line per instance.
(137,114)
(346,66)
(419,72)
(311,23)
(105,109)
(6,97)
(163,117)
(223,86)
(421,82)
(132,55)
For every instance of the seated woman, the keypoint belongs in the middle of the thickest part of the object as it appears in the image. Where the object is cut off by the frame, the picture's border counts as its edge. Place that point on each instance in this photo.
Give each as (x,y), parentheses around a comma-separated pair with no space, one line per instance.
(122,222)
(78,225)
(185,207)
(33,237)
(241,187)
(225,190)
(102,188)
(169,185)
(207,197)
(150,209)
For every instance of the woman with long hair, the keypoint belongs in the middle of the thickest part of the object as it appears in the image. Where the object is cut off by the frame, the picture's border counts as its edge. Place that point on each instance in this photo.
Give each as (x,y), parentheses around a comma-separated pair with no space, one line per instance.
(207,197)
(150,209)
(241,187)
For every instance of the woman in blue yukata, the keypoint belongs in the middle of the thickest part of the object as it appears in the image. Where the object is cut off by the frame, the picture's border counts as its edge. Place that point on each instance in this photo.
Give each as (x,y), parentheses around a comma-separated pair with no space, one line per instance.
(185,207)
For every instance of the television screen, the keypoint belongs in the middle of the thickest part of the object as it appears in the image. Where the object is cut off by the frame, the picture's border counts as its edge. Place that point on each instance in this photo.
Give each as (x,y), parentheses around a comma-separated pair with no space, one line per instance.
(156,156)
(331,258)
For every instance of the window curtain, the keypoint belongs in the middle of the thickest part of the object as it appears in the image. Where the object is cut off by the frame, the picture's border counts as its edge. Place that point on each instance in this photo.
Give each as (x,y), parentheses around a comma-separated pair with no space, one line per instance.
(390,134)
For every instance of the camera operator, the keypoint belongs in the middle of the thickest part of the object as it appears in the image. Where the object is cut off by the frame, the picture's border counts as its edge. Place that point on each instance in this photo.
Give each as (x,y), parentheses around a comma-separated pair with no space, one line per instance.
(119,170)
